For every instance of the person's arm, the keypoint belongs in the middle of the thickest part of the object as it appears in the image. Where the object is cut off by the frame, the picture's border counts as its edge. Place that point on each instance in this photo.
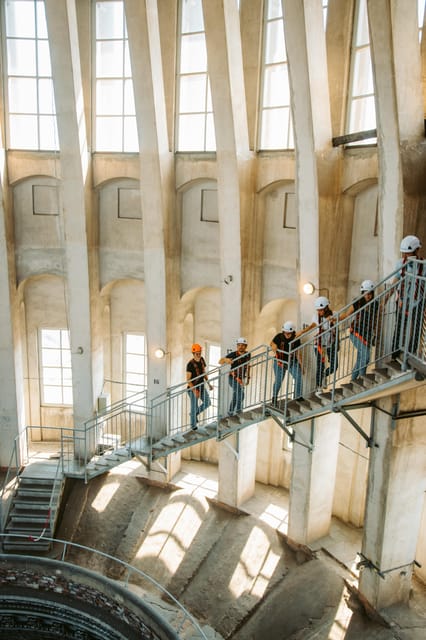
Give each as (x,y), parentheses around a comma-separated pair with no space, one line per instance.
(306,329)
(273,346)
(345,314)
(225,360)
(206,377)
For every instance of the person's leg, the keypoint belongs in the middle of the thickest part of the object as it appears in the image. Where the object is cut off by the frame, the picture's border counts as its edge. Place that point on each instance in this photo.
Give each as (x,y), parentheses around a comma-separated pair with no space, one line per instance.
(279,375)
(239,396)
(364,358)
(232,382)
(296,373)
(333,359)
(320,368)
(205,399)
(356,343)
(194,404)
(396,340)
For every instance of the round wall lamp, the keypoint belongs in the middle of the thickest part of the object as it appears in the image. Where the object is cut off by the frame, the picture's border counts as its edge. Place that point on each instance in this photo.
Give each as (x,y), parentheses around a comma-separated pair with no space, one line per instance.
(160,353)
(308,288)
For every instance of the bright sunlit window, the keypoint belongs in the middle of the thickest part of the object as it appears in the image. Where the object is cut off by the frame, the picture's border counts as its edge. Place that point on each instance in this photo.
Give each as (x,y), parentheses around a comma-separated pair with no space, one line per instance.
(31,103)
(361,107)
(135,363)
(420,16)
(195,125)
(276,129)
(55,361)
(115,105)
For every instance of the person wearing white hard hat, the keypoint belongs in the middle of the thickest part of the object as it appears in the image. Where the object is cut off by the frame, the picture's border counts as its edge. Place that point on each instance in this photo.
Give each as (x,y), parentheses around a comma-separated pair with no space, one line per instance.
(239,374)
(283,345)
(410,294)
(326,345)
(364,326)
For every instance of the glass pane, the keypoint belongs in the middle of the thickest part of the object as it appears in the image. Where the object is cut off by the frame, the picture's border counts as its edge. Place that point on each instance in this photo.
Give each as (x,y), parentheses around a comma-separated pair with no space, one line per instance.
(23,95)
(276,90)
(23,132)
(109,97)
(275,129)
(135,379)
(134,363)
(109,19)
(191,133)
(109,59)
(109,134)
(20,20)
(363,115)
(21,57)
(129,98)
(46,96)
(193,54)
(362,33)
(135,343)
(66,358)
(51,357)
(50,338)
(66,376)
(192,97)
(127,65)
(275,9)
(48,133)
(363,77)
(43,62)
(275,45)
(192,16)
(52,376)
(65,338)
(41,20)
(131,143)
(67,392)
(210,133)
(52,395)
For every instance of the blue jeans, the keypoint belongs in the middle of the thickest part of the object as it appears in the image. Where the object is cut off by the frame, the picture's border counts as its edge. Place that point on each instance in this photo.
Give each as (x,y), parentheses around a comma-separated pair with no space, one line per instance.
(296,373)
(362,357)
(333,363)
(197,408)
(237,395)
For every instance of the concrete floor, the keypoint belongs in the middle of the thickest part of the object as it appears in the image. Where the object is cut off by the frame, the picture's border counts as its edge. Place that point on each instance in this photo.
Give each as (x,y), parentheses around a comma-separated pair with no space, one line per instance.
(233,572)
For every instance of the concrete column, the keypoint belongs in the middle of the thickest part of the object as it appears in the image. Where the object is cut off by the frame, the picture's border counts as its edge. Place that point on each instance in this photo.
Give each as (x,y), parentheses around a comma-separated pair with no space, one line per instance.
(395,496)
(237,468)
(395,54)
(156,173)
(64,52)
(313,474)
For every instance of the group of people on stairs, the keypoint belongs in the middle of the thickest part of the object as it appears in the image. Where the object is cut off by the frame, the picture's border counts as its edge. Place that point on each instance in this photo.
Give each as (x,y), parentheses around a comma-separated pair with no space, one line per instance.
(364,328)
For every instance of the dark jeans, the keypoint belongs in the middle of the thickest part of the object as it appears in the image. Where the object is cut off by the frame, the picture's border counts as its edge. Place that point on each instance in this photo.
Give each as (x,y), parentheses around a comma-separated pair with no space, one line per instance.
(407,330)
(333,363)
(197,408)
(237,395)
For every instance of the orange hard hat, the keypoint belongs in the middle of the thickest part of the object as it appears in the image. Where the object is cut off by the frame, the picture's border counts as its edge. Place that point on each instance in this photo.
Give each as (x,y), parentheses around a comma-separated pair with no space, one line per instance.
(196,347)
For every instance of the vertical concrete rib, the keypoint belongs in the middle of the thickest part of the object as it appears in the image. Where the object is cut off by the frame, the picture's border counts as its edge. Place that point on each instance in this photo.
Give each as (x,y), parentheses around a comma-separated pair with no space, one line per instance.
(155,175)
(74,160)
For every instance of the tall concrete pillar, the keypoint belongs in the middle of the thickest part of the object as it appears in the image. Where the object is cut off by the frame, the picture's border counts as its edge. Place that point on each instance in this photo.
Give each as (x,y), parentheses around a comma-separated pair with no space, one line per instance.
(237,466)
(156,182)
(74,166)
(395,497)
(313,474)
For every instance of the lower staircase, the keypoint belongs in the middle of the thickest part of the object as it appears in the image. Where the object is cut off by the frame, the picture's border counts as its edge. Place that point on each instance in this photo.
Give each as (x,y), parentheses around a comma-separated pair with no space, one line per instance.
(34,508)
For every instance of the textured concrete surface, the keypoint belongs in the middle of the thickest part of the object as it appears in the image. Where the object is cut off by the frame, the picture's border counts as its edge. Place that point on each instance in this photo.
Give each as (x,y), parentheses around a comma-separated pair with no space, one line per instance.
(233,571)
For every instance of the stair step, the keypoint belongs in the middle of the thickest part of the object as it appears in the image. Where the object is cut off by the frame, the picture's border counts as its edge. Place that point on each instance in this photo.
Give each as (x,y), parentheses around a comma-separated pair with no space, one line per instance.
(381,374)
(16,544)
(178,438)
(26,519)
(34,493)
(158,445)
(394,366)
(36,480)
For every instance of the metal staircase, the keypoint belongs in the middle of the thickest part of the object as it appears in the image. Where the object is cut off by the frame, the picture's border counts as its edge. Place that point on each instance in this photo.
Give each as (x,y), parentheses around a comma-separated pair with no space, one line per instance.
(154,429)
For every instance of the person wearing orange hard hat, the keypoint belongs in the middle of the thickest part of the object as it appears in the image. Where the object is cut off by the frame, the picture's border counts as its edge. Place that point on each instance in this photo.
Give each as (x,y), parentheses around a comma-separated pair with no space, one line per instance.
(239,374)
(196,377)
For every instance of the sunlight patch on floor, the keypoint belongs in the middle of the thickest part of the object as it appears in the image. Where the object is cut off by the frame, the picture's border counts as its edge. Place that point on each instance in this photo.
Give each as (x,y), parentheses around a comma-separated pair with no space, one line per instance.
(275,516)
(342,619)
(256,566)
(105,495)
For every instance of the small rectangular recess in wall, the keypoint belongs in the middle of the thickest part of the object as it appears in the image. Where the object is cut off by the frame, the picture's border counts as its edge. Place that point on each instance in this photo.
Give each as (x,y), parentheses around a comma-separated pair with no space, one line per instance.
(209,210)
(45,200)
(129,204)
(289,213)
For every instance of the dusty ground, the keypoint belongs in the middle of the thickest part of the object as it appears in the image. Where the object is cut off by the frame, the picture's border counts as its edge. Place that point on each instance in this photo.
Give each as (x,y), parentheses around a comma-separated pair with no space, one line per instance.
(233,571)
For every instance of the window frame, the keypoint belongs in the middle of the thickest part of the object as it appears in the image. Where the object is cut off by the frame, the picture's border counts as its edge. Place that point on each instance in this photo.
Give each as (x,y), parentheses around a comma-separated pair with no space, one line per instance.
(42,367)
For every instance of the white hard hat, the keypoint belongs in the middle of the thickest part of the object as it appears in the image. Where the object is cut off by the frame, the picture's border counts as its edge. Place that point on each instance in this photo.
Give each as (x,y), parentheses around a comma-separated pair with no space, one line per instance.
(410,244)
(367,286)
(289,326)
(241,341)
(322,302)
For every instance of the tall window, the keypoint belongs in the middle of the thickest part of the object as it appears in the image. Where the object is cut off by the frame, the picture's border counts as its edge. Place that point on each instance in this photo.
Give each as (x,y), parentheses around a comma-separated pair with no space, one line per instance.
(31,103)
(115,105)
(55,360)
(195,125)
(276,129)
(135,365)
(420,15)
(361,107)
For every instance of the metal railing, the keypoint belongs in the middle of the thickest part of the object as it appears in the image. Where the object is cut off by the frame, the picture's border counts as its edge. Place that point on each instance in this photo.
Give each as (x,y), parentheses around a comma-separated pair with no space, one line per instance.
(184,621)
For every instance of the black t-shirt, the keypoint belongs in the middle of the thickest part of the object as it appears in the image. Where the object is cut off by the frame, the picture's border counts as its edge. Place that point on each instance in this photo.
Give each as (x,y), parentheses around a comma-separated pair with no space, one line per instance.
(197,370)
(283,346)
(239,364)
(364,323)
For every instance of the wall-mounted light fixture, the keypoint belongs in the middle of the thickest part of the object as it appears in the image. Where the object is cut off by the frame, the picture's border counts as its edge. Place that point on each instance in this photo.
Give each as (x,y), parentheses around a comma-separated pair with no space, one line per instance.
(160,353)
(228,279)
(309,289)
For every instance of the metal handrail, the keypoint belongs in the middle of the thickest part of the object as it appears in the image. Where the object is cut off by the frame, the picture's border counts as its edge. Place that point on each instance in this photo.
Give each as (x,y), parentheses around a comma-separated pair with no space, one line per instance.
(130,569)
